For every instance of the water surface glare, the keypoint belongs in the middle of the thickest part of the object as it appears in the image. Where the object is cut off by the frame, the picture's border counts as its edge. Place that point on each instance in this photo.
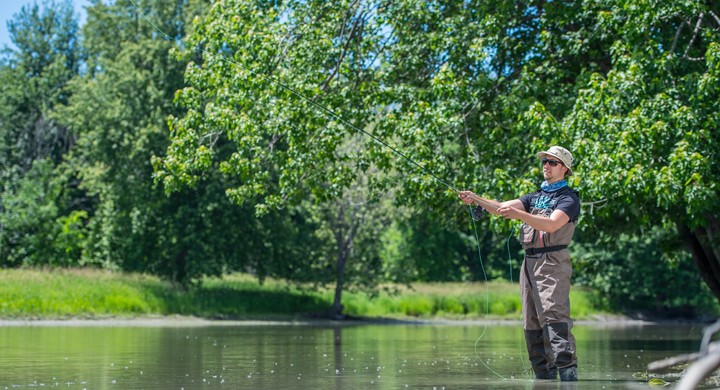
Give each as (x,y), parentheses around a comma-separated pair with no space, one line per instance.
(274,356)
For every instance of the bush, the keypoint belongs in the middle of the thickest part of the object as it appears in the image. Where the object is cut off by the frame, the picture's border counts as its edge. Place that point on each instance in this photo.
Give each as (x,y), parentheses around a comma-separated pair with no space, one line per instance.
(651,272)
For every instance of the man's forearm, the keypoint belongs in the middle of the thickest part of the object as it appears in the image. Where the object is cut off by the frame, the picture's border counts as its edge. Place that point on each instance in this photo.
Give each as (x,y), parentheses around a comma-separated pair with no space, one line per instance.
(545,224)
(491,206)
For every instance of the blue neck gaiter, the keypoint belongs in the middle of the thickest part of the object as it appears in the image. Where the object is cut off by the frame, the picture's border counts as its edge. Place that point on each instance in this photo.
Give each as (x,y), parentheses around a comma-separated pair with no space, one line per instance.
(554,186)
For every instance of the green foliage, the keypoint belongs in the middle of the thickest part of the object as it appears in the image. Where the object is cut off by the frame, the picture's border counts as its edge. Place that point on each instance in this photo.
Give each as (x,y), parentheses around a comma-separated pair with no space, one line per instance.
(37,294)
(37,223)
(240,94)
(450,300)
(467,86)
(42,36)
(416,306)
(94,293)
(419,249)
(650,155)
(33,77)
(35,231)
(430,253)
(119,110)
(72,233)
(649,272)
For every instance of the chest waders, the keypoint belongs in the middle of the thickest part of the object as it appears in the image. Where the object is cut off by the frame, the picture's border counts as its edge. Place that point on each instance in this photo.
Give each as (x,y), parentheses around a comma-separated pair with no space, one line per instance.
(545,292)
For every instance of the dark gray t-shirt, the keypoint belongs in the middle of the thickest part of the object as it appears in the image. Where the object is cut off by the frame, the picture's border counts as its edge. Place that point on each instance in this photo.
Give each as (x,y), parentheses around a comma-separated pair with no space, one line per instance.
(544,203)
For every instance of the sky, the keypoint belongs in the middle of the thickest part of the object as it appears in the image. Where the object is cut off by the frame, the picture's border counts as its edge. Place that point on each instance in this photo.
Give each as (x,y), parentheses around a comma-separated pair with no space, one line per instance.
(8,8)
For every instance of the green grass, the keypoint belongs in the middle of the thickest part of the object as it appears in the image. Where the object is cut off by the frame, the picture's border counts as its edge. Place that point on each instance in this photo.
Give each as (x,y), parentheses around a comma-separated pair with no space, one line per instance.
(495,300)
(45,294)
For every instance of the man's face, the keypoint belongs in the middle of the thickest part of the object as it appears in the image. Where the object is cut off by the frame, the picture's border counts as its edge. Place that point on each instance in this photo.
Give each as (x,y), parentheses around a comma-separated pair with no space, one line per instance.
(553,169)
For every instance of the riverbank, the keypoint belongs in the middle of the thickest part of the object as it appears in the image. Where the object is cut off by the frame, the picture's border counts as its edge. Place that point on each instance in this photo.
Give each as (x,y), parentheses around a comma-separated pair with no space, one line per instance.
(85,294)
(192,322)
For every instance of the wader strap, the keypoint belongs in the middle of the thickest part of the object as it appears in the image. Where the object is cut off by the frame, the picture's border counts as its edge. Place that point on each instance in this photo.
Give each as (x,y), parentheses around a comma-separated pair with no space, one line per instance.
(536,251)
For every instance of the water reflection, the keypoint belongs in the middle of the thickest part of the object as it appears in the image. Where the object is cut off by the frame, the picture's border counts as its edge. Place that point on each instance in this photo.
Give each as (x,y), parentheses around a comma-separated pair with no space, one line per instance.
(325,357)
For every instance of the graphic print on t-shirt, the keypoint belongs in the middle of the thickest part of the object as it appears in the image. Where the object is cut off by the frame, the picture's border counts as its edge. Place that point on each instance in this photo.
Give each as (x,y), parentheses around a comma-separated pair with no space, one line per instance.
(543,205)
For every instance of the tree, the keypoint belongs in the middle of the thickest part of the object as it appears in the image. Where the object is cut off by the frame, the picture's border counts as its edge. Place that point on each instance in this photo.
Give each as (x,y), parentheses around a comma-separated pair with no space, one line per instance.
(651,126)
(650,273)
(46,57)
(37,221)
(118,111)
(34,76)
(36,228)
(244,93)
(629,87)
(352,225)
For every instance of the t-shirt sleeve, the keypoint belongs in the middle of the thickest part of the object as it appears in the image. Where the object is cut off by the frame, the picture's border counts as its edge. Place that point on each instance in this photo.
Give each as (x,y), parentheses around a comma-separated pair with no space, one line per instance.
(525,199)
(570,205)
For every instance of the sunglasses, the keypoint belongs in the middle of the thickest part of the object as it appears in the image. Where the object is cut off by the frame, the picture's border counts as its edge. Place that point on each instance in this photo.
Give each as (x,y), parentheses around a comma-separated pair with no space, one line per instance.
(553,163)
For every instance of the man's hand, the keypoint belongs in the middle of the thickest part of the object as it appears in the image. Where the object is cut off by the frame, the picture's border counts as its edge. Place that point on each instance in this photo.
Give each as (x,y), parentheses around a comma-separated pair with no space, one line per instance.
(467,197)
(509,212)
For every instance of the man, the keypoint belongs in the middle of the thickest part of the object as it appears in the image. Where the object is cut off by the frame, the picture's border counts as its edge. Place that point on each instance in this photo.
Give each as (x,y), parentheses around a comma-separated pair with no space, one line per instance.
(548,217)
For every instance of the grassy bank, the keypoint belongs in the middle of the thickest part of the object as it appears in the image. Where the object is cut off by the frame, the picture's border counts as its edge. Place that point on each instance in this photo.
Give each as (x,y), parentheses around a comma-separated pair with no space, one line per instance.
(42,294)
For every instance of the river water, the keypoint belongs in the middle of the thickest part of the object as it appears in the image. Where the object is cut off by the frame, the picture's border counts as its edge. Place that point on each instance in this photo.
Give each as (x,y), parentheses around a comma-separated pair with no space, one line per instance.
(320,356)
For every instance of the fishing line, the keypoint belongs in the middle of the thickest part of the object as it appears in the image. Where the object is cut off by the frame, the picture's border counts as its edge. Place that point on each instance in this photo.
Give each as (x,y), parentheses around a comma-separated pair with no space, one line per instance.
(487,297)
(333,115)
(487,300)
(510,262)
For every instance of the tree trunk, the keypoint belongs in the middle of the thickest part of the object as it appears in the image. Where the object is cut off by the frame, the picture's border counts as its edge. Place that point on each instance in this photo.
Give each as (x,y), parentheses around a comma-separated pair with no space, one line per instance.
(179,271)
(344,237)
(702,246)
(337,307)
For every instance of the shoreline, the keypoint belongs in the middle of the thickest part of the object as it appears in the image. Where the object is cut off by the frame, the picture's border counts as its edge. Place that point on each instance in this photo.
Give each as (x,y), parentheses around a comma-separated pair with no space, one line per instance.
(191,321)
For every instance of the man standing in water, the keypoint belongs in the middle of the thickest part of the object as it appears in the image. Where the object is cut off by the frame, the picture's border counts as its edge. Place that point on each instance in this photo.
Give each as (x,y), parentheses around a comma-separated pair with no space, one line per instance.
(548,218)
